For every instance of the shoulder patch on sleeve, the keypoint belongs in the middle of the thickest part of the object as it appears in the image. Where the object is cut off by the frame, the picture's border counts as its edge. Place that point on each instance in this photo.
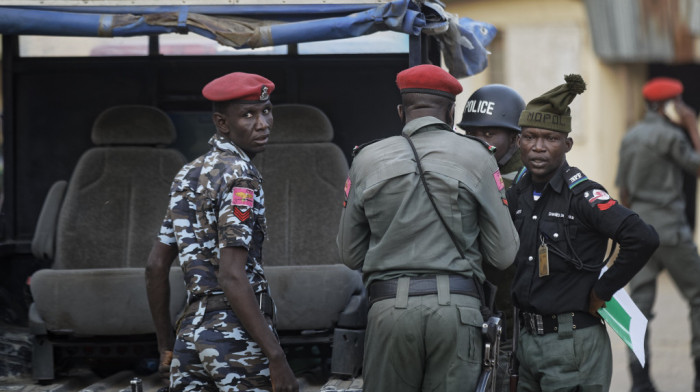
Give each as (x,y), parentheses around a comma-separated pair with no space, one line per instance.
(348,184)
(499,180)
(598,198)
(356,150)
(242,197)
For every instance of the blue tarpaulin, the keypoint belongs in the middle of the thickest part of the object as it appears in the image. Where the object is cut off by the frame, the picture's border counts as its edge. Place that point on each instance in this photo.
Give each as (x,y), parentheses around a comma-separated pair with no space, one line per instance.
(462,40)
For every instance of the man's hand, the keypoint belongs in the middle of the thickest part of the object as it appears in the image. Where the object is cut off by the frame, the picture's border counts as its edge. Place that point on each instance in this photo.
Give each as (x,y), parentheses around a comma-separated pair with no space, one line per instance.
(595,303)
(164,365)
(685,112)
(282,377)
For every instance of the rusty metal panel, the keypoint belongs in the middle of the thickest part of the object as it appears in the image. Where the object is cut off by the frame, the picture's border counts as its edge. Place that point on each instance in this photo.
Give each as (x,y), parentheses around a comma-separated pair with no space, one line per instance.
(645,30)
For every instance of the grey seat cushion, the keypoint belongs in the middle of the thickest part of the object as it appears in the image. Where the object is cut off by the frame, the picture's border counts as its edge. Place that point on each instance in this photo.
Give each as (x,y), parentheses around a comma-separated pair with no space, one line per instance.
(114,204)
(311,297)
(304,174)
(109,301)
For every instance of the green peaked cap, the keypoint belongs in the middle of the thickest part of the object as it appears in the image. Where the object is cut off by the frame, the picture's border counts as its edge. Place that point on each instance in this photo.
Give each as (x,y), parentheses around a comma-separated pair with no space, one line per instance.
(551,109)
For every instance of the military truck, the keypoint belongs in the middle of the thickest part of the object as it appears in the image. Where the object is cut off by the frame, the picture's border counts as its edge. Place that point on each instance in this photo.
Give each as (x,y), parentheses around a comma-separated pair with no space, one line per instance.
(102,105)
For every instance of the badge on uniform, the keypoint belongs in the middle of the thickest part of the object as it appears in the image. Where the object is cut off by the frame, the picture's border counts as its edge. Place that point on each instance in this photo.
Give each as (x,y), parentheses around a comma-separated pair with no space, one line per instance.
(242,202)
(240,214)
(499,180)
(543,252)
(600,199)
(348,184)
(242,197)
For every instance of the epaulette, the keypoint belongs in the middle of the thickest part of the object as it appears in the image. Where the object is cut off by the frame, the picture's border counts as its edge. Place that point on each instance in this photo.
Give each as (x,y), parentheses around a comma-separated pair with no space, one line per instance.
(520,175)
(492,149)
(356,149)
(574,177)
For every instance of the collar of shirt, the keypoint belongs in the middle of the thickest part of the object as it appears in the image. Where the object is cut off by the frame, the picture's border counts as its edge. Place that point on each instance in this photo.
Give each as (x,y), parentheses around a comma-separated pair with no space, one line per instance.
(652,116)
(416,125)
(556,183)
(221,143)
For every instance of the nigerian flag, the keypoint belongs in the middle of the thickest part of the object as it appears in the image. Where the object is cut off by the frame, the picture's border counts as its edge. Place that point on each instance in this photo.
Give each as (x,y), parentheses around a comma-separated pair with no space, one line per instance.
(628,322)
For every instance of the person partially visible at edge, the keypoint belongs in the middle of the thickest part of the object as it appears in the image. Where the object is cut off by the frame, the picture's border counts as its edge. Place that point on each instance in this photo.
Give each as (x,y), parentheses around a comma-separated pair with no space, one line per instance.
(654,155)
(565,221)
(215,225)
(491,114)
(424,322)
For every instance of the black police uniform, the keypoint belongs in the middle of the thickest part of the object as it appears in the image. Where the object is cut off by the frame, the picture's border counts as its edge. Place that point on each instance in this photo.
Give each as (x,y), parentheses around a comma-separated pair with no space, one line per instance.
(574,217)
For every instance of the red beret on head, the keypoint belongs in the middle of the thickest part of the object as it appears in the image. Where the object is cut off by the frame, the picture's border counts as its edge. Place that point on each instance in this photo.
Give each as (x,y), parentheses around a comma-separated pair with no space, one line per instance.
(661,89)
(239,86)
(428,79)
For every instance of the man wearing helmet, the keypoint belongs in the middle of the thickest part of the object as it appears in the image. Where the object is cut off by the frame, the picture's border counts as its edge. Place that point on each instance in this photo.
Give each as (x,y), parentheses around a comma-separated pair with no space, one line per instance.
(491,114)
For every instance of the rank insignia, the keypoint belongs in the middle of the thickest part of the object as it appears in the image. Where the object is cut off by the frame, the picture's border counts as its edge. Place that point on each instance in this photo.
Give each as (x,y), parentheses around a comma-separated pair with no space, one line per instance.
(240,214)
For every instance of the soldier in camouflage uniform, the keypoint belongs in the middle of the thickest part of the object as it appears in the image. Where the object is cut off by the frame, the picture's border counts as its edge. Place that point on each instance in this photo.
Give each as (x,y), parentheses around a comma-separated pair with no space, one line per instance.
(215,223)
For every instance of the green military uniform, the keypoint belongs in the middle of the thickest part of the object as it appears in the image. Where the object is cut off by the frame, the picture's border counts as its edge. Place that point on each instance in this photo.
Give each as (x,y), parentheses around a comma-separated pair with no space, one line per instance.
(653,156)
(503,280)
(390,230)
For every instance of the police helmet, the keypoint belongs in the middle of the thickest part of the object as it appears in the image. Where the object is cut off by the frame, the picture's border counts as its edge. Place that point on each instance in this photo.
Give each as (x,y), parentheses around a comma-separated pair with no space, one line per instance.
(494,105)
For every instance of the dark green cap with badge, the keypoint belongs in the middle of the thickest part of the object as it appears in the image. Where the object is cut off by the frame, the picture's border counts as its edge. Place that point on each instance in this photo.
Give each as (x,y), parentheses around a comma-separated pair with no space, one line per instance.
(551,109)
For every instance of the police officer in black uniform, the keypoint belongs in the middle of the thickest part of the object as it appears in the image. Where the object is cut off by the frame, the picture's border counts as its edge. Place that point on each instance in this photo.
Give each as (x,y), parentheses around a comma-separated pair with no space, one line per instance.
(564,221)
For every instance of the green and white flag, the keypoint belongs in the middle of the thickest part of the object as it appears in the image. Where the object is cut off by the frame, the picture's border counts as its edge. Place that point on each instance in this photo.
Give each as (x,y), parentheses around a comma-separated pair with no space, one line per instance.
(628,322)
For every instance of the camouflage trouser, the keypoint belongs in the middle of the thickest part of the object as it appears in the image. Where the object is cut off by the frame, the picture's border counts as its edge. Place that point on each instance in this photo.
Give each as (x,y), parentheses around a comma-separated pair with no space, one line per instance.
(214,353)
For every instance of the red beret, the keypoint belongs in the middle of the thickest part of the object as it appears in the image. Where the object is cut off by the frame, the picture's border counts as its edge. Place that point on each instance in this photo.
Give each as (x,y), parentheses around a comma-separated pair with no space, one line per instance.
(661,89)
(239,86)
(428,79)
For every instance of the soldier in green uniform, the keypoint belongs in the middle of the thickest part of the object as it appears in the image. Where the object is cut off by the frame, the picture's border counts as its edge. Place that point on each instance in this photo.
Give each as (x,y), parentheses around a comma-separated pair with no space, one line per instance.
(653,156)
(565,221)
(491,114)
(424,322)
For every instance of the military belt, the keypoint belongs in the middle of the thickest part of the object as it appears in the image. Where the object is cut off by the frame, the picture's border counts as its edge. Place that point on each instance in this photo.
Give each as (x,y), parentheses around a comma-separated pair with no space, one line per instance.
(537,324)
(421,285)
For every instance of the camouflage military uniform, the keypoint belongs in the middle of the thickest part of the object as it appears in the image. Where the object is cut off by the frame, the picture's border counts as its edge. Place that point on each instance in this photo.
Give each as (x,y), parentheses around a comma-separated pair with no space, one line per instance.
(216,201)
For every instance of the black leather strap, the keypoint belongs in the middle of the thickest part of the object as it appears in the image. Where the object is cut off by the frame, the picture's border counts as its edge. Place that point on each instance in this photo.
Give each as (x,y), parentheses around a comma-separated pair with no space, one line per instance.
(479,286)
(421,285)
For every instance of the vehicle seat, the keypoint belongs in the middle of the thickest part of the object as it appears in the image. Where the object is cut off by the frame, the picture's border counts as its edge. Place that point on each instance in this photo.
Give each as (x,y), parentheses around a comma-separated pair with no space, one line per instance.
(304,174)
(104,223)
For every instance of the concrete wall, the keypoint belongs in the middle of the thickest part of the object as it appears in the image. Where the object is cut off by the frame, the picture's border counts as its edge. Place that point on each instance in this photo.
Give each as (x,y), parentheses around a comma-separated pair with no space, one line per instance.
(537,44)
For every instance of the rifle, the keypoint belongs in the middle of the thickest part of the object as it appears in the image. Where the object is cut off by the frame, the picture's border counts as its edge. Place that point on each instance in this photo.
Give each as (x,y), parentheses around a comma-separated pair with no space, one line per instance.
(513,361)
(491,334)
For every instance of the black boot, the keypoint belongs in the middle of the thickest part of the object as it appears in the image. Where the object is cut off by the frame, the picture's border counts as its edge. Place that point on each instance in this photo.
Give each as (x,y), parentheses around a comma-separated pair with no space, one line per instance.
(641,381)
(696,384)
